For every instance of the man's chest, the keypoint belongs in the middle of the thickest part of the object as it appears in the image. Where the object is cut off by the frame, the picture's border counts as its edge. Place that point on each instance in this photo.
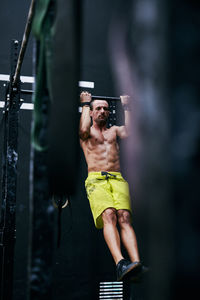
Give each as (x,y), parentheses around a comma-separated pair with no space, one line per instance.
(105,137)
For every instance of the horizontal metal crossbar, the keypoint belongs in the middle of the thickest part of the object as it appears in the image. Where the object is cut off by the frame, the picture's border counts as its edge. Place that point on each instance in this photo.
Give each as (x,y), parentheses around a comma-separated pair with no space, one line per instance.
(93,96)
(111,297)
(113,283)
(112,293)
(105,98)
(110,288)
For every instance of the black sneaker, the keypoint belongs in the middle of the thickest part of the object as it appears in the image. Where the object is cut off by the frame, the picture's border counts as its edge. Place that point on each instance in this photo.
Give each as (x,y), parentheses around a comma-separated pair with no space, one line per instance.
(126,269)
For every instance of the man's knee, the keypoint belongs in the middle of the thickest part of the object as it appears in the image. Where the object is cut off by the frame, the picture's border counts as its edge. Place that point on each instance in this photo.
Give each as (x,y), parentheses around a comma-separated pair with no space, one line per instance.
(109,216)
(124,217)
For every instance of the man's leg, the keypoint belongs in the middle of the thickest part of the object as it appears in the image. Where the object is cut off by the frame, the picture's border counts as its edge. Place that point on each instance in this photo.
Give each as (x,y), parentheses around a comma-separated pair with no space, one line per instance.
(111,234)
(128,236)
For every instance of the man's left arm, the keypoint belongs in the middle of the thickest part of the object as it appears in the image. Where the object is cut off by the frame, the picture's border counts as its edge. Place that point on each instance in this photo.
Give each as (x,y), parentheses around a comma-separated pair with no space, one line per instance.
(124,131)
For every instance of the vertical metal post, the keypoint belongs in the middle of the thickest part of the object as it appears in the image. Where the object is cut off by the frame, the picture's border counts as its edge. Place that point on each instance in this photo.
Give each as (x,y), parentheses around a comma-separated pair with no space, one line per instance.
(9,181)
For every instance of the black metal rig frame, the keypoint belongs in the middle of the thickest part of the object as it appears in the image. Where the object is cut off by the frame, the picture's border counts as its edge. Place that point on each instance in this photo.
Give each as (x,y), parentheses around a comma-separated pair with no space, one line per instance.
(10,159)
(9,179)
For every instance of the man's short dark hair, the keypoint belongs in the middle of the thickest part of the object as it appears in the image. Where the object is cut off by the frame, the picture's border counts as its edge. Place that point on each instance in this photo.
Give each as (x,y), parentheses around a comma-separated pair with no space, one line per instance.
(91,103)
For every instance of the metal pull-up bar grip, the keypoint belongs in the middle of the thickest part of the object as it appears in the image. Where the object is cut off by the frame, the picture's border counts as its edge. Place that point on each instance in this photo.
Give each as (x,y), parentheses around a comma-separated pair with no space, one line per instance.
(24,42)
(105,98)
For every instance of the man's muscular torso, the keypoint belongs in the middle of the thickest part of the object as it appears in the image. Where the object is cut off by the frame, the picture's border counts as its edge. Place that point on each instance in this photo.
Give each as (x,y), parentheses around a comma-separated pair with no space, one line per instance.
(101,150)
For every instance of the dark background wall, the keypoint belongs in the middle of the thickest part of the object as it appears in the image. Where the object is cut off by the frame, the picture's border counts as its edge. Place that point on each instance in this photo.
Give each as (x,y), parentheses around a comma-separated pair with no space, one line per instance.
(185,113)
(83,258)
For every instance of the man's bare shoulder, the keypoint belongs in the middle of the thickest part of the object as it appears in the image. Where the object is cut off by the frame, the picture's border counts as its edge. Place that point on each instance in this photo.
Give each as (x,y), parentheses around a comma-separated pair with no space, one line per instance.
(115,128)
(120,131)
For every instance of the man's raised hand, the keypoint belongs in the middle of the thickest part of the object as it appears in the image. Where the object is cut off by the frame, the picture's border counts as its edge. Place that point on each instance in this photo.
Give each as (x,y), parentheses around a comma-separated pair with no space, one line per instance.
(125,99)
(85,97)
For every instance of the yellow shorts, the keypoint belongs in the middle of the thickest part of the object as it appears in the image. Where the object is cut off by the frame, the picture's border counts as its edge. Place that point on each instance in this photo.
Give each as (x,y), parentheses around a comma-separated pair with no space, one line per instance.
(106,191)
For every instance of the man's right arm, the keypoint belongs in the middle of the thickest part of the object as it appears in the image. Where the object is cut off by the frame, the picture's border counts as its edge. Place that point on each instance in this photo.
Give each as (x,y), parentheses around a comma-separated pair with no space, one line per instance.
(85,121)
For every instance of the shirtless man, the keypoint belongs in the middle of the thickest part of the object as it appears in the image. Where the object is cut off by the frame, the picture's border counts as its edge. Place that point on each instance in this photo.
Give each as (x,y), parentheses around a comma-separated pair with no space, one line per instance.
(107,191)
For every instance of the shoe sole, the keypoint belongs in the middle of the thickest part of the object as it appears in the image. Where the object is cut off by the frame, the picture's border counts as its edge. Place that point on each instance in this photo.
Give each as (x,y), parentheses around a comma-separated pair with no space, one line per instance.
(137,278)
(129,273)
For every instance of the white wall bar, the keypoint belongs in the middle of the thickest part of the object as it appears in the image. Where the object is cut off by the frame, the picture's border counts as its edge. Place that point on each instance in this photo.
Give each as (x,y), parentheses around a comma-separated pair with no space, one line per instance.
(30,79)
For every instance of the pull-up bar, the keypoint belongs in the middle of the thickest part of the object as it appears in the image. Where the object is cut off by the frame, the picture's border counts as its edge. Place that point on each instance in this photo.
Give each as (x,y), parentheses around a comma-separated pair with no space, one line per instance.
(105,98)
(93,96)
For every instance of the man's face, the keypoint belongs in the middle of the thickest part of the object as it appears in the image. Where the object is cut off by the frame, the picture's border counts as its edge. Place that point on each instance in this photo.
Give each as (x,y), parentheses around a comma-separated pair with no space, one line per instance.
(100,112)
